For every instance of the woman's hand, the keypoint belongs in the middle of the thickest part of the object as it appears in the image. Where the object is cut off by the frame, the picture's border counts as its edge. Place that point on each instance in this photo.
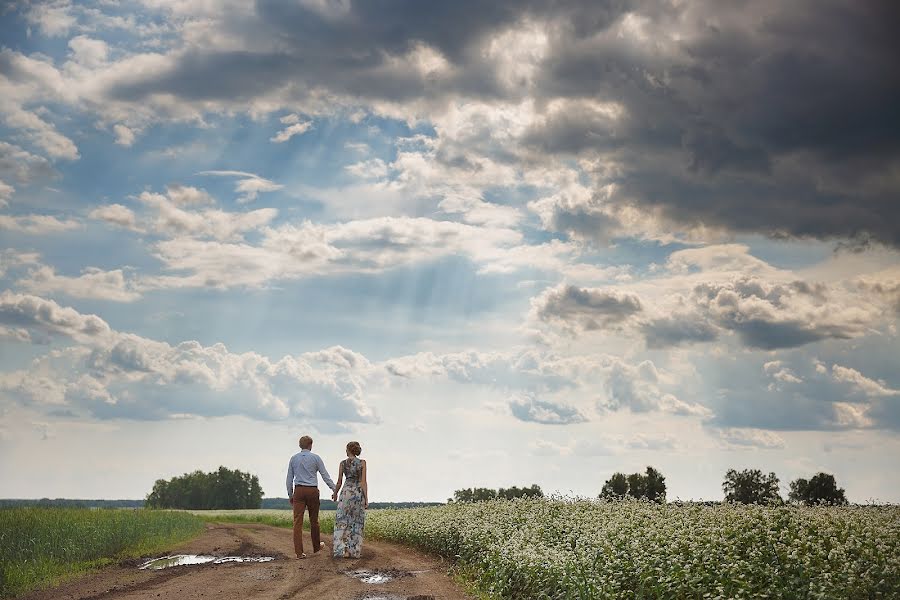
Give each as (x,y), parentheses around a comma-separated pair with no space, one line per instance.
(366,505)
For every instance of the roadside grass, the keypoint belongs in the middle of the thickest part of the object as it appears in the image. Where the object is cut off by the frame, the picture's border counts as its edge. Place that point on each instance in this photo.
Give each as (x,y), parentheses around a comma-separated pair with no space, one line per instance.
(40,546)
(266,516)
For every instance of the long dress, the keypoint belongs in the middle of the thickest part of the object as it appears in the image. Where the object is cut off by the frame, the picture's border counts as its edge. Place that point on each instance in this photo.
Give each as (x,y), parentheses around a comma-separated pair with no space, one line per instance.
(350,516)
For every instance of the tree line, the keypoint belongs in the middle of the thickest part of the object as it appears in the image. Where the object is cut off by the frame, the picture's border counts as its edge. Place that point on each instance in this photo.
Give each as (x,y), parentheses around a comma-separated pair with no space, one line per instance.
(483,494)
(750,486)
(221,489)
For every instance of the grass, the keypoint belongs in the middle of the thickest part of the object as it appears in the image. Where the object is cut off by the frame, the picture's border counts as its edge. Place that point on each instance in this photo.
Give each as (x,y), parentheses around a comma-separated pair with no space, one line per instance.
(38,546)
(267,516)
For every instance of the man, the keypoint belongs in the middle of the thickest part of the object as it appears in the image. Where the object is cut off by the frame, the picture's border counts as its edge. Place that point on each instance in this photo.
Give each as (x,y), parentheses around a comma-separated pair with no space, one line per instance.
(303,491)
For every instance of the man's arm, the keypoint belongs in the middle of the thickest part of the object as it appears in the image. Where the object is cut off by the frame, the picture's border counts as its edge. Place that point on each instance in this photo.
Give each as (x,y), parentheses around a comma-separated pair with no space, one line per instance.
(325,476)
(290,480)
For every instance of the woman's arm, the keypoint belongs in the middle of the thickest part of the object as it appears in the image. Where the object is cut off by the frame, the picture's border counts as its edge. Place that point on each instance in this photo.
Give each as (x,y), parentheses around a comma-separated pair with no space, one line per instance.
(337,486)
(364,485)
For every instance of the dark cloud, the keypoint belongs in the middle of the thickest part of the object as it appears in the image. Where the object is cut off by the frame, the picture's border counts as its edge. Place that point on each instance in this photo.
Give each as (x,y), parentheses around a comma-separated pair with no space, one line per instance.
(675,330)
(760,117)
(588,308)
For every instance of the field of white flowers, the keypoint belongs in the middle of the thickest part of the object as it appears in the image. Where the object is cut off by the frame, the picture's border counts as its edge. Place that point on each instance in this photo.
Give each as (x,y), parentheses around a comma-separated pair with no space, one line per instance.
(592,549)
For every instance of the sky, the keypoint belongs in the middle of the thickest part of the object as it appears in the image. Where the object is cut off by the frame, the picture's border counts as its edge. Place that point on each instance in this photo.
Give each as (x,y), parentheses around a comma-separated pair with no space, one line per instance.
(497,243)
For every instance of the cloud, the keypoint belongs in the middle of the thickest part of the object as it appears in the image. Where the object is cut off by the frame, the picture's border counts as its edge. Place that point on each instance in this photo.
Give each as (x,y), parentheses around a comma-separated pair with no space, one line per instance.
(680,329)
(248,186)
(185,195)
(23,167)
(295,127)
(639,96)
(292,251)
(110,374)
(6,192)
(777,371)
(92,283)
(545,412)
(116,214)
(638,388)
(774,315)
(53,18)
(14,259)
(48,317)
(172,221)
(734,438)
(476,211)
(374,168)
(37,224)
(124,135)
(586,309)
(868,387)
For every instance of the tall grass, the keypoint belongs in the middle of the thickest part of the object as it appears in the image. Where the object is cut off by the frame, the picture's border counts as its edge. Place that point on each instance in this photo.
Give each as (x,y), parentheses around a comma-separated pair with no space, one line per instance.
(38,545)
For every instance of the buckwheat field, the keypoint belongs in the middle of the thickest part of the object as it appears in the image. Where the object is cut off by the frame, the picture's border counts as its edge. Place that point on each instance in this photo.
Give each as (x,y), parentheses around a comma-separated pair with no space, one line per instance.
(594,549)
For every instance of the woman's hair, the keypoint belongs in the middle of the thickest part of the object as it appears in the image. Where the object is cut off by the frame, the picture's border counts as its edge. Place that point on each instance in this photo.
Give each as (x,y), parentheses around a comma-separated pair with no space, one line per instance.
(354,448)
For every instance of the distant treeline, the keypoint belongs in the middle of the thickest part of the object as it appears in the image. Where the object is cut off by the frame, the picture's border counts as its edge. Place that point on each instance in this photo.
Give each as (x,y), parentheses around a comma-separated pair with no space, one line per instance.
(69,503)
(276,503)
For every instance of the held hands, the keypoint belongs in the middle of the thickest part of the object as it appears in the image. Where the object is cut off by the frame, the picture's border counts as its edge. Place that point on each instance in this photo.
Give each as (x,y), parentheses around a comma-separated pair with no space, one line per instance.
(334,495)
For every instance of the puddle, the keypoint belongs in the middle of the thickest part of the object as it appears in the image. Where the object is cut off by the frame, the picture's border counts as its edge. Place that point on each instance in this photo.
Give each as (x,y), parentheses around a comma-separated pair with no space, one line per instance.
(393,597)
(178,560)
(376,577)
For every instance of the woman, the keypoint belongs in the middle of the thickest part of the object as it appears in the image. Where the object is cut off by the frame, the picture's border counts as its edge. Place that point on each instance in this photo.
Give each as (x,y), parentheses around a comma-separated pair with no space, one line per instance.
(350,516)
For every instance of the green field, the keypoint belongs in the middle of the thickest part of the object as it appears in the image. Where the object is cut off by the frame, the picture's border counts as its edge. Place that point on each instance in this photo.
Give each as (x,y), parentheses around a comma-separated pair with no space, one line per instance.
(592,549)
(535,548)
(39,545)
(268,516)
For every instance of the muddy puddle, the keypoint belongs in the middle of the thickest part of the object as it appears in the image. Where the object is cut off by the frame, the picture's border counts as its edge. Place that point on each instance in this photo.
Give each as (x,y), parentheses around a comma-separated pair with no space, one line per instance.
(394,597)
(376,577)
(179,560)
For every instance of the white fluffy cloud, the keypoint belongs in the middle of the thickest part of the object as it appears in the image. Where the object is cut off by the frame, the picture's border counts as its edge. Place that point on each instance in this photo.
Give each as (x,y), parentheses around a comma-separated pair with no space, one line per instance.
(95,283)
(111,374)
(116,214)
(248,185)
(294,127)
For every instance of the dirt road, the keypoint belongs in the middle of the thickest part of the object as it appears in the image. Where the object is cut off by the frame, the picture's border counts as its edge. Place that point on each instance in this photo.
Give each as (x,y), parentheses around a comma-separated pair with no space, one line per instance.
(411,575)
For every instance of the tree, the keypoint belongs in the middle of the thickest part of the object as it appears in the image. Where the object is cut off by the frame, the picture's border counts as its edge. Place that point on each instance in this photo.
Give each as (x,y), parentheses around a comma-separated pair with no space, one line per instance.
(750,486)
(223,488)
(654,485)
(821,489)
(474,495)
(534,491)
(650,485)
(483,494)
(615,488)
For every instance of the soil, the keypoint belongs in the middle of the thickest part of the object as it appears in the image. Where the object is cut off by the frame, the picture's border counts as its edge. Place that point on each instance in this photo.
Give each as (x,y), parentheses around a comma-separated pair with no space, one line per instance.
(410,574)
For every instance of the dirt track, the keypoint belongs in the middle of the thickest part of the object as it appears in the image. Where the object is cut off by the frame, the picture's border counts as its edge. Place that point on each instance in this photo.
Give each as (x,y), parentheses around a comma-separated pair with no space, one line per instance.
(317,577)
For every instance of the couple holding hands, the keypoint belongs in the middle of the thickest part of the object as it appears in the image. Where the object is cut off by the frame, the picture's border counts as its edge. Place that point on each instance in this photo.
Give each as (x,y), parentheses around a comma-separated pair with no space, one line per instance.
(352,498)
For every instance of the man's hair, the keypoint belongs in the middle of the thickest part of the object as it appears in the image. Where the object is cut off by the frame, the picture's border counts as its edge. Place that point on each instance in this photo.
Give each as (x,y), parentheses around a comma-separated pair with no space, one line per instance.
(306,442)
(354,448)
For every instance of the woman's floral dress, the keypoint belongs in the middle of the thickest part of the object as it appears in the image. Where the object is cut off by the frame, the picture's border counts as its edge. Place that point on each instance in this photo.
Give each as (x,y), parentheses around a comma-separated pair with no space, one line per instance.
(350,516)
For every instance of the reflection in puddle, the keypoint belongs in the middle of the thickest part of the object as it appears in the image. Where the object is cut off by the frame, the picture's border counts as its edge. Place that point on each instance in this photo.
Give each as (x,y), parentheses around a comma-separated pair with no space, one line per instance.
(376,577)
(179,560)
(370,577)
